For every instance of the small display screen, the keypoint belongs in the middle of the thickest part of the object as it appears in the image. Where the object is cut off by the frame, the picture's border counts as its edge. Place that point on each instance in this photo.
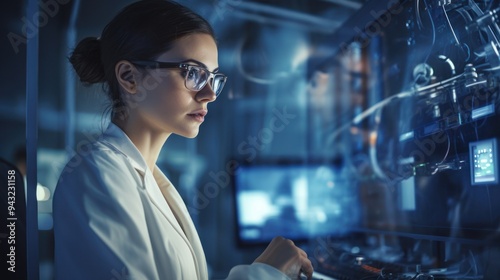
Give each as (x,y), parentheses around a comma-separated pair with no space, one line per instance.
(484,166)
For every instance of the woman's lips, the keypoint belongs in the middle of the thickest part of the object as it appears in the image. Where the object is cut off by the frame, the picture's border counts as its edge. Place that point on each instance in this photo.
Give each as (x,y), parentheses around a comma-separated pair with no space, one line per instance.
(198,115)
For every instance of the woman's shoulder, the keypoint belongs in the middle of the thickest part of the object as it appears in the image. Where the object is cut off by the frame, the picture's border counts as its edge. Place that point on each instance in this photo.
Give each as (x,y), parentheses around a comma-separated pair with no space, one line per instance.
(96,159)
(97,176)
(95,153)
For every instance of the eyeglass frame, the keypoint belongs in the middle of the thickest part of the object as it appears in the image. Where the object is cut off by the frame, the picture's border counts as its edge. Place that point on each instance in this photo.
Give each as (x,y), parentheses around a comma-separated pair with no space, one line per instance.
(184,66)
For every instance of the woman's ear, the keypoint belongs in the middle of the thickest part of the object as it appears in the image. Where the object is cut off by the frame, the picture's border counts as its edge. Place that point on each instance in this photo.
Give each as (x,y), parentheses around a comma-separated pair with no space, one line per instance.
(127,75)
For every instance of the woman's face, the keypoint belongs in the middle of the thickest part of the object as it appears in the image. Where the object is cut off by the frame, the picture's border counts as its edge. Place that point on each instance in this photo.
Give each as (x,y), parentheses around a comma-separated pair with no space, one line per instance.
(163,102)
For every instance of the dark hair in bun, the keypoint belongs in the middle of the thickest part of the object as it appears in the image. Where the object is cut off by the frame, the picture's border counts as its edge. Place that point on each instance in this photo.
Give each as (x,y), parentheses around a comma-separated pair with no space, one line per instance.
(86,59)
(141,31)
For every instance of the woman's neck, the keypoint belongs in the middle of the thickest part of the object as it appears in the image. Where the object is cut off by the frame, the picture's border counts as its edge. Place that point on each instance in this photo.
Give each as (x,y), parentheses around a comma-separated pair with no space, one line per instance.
(148,141)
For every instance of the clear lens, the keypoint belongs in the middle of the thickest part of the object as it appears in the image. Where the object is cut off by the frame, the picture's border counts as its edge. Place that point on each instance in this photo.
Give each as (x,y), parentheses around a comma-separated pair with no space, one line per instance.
(218,83)
(197,78)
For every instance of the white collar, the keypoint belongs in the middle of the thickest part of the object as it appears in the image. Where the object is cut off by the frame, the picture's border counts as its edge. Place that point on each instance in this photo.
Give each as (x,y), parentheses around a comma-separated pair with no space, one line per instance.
(119,140)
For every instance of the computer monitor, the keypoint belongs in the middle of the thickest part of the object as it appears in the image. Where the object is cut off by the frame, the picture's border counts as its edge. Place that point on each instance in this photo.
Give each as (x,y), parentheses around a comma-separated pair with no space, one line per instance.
(293,200)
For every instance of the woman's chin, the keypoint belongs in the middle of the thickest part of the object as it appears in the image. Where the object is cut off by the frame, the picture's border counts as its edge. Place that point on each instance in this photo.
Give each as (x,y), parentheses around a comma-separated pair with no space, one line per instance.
(190,134)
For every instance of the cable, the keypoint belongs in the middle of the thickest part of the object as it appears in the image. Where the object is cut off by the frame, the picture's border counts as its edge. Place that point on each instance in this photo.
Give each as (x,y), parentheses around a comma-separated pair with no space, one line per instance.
(445,156)
(433,30)
(468,51)
(465,14)
(442,83)
(379,105)
(367,113)
(419,19)
(418,92)
(373,149)
(448,150)
(492,69)
(451,27)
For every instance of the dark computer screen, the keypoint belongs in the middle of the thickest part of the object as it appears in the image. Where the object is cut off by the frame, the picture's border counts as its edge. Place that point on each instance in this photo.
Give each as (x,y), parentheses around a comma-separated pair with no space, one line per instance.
(297,201)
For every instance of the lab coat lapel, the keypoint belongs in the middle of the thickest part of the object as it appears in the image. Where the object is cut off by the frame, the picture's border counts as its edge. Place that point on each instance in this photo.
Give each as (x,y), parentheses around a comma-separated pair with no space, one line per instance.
(118,140)
(159,202)
(180,211)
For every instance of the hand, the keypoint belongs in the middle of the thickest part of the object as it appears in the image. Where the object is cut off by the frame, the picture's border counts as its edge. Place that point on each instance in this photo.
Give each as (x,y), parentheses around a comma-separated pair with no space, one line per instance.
(282,254)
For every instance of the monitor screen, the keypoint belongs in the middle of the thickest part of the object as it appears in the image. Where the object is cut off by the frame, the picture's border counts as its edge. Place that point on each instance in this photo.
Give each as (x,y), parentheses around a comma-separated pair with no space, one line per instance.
(297,201)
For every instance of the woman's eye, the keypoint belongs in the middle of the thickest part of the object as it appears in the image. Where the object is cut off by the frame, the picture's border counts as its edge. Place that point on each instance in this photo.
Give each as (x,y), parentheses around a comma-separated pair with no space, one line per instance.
(193,73)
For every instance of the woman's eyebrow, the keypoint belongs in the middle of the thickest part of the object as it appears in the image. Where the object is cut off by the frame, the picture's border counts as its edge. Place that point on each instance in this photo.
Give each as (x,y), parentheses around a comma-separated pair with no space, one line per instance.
(199,63)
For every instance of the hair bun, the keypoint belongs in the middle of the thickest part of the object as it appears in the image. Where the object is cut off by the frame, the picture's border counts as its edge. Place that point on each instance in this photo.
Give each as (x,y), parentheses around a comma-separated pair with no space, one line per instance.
(86,60)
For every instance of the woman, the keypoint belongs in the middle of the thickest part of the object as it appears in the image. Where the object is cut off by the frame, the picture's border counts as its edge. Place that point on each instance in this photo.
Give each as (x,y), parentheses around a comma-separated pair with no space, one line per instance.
(116,215)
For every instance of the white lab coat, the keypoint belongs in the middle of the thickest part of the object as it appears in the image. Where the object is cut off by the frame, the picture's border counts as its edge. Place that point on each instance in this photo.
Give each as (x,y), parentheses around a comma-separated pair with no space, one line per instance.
(114,219)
